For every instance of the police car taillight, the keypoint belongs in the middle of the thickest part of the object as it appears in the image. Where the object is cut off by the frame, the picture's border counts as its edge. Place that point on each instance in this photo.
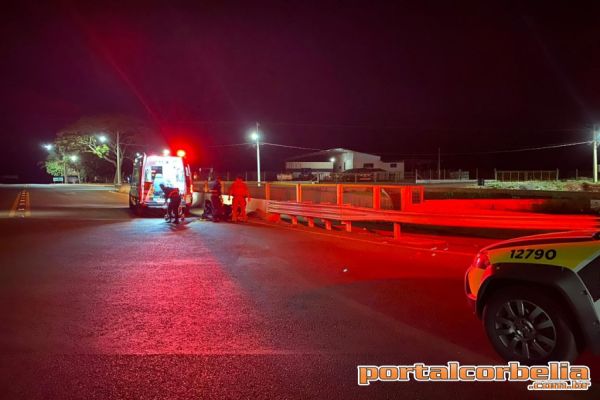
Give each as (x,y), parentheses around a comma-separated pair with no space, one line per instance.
(481,260)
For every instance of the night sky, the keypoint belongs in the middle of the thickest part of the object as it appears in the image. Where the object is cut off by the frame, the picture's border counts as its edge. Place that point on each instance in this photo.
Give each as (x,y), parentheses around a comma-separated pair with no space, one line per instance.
(402,79)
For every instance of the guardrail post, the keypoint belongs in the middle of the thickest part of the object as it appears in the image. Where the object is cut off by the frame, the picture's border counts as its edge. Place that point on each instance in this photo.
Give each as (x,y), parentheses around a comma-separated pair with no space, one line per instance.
(294,220)
(298,193)
(267,191)
(405,197)
(348,225)
(311,222)
(339,189)
(397,231)
(376,197)
(328,224)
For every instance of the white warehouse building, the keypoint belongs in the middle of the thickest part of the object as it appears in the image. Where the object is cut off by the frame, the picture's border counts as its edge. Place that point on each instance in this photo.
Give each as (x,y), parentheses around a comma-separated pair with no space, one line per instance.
(341,160)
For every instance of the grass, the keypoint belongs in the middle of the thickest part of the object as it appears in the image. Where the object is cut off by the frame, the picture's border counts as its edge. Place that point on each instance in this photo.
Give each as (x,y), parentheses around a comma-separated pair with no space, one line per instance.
(581,185)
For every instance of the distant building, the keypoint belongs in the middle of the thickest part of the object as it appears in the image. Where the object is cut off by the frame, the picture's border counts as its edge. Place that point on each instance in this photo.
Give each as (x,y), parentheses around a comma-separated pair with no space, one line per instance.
(323,163)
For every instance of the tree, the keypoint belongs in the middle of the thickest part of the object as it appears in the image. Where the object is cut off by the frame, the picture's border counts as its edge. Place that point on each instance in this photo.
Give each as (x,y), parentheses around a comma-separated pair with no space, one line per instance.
(54,166)
(61,160)
(112,138)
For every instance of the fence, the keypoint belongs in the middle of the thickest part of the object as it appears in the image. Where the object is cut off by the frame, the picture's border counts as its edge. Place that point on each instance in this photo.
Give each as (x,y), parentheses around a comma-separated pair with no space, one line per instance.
(377,176)
(519,176)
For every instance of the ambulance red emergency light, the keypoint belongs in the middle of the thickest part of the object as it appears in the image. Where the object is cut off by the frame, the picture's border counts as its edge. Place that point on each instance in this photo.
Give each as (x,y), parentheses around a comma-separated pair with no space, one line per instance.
(150,171)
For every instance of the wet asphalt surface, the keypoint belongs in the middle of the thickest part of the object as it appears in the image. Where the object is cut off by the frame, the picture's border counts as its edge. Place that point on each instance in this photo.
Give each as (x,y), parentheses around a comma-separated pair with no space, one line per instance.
(98,304)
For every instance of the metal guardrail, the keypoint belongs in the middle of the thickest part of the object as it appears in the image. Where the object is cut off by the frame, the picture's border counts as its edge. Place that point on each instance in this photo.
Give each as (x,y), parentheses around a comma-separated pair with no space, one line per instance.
(398,204)
(390,197)
(505,220)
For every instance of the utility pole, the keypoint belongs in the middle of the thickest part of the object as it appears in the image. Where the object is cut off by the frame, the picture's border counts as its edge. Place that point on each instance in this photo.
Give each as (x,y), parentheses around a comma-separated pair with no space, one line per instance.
(118,160)
(257,136)
(595,144)
(439,164)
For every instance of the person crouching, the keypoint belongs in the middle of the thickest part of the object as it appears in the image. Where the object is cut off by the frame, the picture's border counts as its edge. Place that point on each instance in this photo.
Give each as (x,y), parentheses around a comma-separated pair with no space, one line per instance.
(173,199)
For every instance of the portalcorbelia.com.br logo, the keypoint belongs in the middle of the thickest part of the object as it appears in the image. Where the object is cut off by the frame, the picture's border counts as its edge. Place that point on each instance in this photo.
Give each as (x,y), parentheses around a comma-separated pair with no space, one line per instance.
(553,376)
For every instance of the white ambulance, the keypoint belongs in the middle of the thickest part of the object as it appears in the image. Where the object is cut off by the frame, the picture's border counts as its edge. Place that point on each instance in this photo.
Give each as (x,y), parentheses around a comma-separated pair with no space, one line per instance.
(149,172)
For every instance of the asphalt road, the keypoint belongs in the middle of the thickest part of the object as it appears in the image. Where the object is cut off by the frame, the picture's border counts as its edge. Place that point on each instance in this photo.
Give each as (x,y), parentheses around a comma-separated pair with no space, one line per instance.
(95,303)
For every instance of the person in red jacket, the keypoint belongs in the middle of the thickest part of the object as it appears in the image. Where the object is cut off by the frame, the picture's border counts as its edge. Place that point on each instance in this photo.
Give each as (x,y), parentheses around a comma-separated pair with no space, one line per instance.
(239,191)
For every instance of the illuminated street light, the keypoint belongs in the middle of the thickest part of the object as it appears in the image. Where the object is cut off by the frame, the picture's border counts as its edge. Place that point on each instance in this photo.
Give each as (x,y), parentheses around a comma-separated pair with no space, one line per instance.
(117,145)
(332,159)
(256,137)
(595,134)
(48,146)
(73,158)
(166,152)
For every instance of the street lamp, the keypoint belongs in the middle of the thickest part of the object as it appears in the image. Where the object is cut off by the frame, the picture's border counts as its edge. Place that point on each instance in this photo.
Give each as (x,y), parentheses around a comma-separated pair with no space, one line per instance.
(48,146)
(256,137)
(595,152)
(104,139)
(73,158)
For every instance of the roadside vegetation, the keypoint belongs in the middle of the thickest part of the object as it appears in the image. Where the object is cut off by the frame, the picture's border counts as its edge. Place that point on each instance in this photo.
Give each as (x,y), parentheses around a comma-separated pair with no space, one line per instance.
(581,185)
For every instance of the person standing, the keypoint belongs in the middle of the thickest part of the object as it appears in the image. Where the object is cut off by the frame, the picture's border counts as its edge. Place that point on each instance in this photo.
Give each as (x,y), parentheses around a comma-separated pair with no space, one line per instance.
(215,189)
(239,191)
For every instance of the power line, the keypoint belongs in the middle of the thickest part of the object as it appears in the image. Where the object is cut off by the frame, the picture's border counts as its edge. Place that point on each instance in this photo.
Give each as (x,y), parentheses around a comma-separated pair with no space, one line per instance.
(554,146)
(291,147)
(265,144)
(525,149)
(230,145)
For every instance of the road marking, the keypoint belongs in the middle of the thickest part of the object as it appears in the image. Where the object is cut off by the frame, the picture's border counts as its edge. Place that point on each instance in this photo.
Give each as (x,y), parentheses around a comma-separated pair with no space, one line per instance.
(21,206)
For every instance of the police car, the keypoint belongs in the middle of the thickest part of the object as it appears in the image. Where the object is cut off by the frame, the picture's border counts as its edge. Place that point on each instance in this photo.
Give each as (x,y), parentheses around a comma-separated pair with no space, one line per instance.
(539,296)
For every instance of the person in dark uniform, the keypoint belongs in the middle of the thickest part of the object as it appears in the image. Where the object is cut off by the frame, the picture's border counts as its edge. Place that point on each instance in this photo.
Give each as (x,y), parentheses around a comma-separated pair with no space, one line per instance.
(174,200)
(215,189)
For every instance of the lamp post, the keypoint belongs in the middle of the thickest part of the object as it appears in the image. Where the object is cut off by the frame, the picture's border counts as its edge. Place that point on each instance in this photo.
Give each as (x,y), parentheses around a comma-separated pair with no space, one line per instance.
(595,152)
(74,158)
(104,139)
(256,136)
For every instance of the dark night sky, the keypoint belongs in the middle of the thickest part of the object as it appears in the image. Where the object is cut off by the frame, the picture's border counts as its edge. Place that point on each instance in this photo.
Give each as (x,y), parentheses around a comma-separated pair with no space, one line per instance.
(373,77)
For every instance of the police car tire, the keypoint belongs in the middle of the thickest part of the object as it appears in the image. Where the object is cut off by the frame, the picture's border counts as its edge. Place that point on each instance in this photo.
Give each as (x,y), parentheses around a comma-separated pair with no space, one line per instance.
(566,345)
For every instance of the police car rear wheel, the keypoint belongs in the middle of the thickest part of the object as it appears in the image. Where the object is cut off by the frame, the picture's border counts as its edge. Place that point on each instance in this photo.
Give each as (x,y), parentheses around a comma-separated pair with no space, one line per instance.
(524,324)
